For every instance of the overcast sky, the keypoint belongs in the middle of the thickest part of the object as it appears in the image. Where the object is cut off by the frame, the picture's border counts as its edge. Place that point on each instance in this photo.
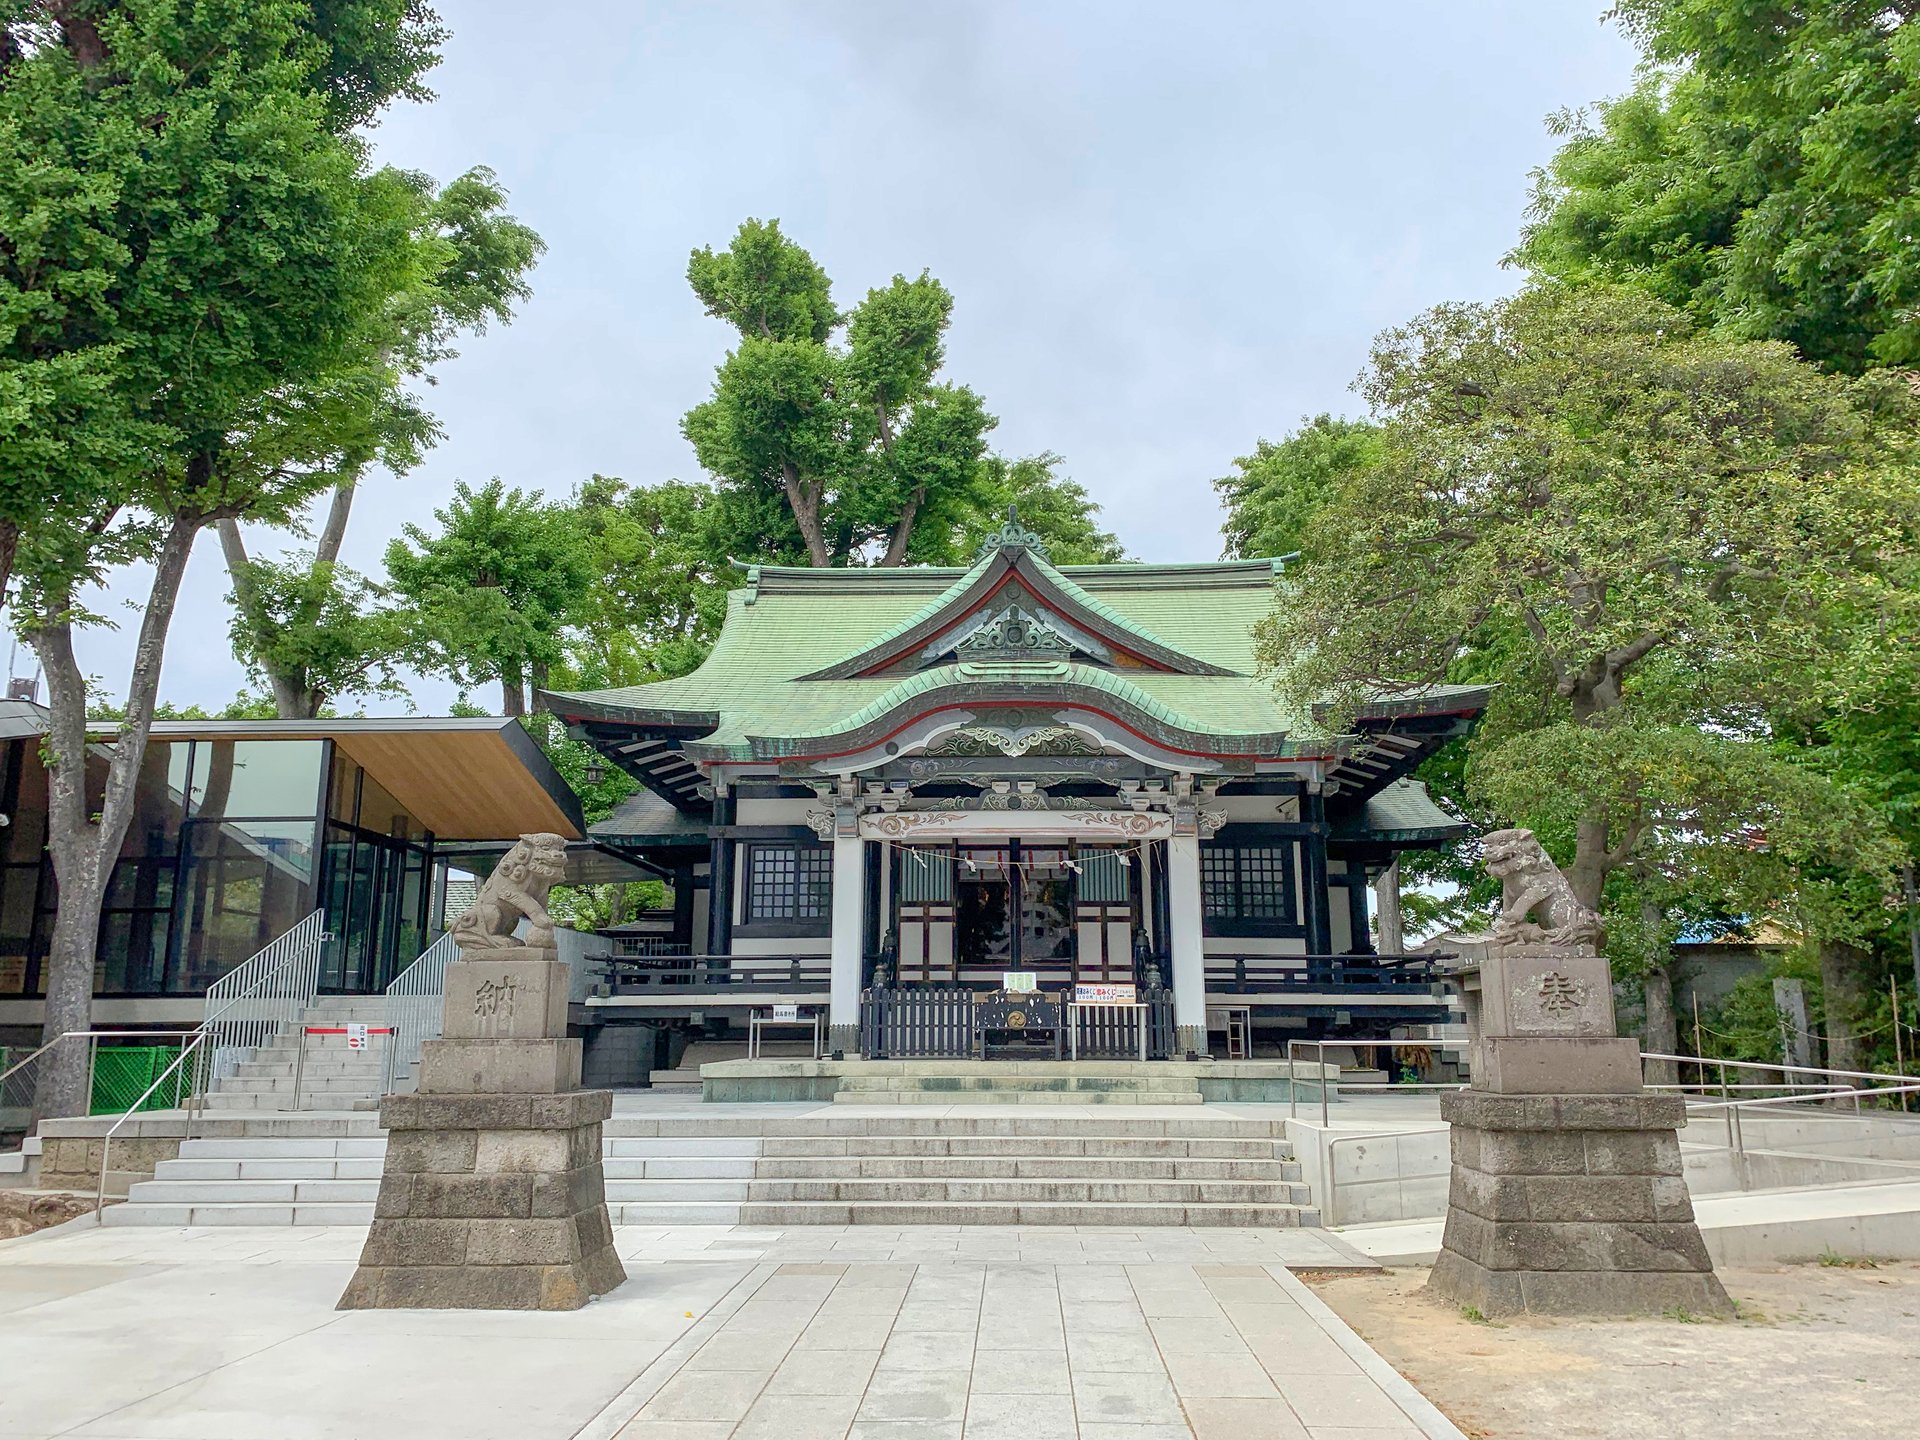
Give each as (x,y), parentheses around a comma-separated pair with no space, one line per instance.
(1169,229)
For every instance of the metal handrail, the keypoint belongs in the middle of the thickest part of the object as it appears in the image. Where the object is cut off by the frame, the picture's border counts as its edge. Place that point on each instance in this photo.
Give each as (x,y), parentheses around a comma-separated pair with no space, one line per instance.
(93,1039)
(254,1001)
(198,1043)
(416,1008)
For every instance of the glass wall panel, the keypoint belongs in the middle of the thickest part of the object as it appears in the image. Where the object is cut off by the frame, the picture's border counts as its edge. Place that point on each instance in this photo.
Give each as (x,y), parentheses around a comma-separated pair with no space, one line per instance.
(247,882)
(257,777)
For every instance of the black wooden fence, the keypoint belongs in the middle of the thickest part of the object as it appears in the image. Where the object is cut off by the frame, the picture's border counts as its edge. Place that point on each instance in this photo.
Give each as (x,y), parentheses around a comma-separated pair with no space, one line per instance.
(923,1023)
(938,1023)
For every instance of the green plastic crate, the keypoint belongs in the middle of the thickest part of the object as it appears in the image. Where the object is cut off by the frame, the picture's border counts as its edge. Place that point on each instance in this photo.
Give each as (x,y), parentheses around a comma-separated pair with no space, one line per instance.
(122,1073)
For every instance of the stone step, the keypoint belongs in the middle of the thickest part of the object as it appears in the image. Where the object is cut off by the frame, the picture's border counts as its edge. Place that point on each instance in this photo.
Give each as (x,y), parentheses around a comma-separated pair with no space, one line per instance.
(1117,1147)
(1015,1192)
(972,1120)
(1011,1167)
(252,1192)
(968,1212)
(1017,1097)
(676,1192)
(327,1066)
(678,1213)
(1157,1083)
(310,1085)
(286,1147)
(311,1168)
(270,1101)
(664,1146)
(685,1167)
(249,1213)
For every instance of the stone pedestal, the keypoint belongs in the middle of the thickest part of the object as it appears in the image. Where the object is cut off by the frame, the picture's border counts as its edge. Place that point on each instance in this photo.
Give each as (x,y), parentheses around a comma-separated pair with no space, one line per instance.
(493,1196)
(1571,1205)
(1567,1196)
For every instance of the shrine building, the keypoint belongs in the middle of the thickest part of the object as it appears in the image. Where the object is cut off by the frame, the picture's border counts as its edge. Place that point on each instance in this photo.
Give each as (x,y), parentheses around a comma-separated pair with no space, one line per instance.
(888,786)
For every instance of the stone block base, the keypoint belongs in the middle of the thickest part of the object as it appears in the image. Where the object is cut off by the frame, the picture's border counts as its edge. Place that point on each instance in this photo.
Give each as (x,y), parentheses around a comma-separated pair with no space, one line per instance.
(489,1202)
(1571,1205)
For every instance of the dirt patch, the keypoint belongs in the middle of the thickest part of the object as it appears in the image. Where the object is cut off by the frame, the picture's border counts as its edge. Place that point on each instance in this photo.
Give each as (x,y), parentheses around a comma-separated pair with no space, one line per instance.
(24,1211)
(1818,1350)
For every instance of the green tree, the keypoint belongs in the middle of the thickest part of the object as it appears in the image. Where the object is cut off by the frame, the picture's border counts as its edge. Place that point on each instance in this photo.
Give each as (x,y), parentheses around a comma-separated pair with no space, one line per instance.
(1764,174)
(1278,489)
(1053,506)
(193,244)
(661,574)
(307,626)
(495,589)
(1643,534)
(842,417)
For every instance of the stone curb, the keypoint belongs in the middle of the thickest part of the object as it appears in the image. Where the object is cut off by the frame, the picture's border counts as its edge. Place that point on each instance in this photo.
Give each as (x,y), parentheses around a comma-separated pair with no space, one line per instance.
(1421,1411)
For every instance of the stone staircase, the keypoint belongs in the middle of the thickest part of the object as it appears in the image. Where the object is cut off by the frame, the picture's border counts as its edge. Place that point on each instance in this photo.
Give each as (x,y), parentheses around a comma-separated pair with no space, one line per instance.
(910,1169)
(332,1078)
(969,1082)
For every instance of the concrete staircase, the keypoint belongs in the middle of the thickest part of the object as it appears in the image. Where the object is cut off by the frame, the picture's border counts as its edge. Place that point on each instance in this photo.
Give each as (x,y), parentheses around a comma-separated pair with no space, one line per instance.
(333,1077)
(1032,1168)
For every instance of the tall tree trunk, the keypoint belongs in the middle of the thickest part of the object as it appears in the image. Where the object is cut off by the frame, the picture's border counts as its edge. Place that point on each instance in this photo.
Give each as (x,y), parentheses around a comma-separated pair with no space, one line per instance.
(804,501)
(9,543)
(537,701)
(327,551)
(1663,1028)
(513,689)
(84,849)
(1842,990)
(1386,905)
(1588,873)
(1913,927)
(903,530)
(292,699)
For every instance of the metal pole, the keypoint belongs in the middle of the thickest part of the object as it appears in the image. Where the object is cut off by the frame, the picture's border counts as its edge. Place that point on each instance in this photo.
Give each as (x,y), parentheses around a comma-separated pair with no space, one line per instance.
(300,1066)
(1323,1082)
(1899,1061)
(1699,1050)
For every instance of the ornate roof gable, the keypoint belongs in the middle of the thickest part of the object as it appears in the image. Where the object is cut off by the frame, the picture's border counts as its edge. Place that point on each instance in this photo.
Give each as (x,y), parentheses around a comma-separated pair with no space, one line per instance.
(1013,605)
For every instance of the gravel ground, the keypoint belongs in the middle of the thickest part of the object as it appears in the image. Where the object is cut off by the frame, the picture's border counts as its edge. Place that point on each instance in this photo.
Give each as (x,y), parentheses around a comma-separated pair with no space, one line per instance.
(1819,1350)
(24,1211)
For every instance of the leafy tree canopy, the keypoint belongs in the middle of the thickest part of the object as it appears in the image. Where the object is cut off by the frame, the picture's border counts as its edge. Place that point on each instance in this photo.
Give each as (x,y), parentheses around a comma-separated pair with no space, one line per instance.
(841,416)
(1764,174)
(1644,534)
(1277,490)
(494,588)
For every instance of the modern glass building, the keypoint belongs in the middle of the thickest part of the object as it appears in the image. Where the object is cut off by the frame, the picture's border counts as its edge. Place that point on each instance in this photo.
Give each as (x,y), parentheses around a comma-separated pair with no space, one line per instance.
(241,829)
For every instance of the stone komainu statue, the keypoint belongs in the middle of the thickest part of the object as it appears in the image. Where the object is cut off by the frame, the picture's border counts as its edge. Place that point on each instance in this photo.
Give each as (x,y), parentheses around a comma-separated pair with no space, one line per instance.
(516,889)
(1538,909)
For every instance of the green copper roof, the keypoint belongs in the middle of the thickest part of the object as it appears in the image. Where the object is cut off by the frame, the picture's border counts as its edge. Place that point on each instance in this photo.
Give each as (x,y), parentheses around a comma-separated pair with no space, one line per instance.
(789,625)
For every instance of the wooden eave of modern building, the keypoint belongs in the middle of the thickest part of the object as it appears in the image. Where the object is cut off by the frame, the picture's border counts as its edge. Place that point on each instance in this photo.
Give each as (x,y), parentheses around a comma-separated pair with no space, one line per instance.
(479,778)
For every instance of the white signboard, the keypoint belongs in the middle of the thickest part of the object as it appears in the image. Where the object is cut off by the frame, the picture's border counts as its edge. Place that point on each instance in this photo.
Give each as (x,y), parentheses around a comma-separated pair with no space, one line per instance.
(1021,982)
(786,1012)
(356,1037)
(1103,994)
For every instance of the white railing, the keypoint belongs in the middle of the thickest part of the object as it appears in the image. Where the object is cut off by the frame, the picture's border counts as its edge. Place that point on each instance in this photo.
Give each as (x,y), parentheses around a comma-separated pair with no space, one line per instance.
(253,1002)
(416,1004)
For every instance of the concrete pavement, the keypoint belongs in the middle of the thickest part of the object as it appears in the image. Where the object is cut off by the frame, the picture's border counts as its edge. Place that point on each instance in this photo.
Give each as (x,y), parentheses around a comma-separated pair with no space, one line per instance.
(722,1333)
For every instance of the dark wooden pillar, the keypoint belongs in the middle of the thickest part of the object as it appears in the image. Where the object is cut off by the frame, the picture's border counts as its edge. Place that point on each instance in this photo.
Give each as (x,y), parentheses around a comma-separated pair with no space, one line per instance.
(1319,911)
(720,879)
(1360,936)
(683,888)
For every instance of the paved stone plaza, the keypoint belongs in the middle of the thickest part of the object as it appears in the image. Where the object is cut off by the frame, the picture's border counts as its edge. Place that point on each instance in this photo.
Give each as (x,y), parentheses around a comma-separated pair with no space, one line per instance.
(722,1333)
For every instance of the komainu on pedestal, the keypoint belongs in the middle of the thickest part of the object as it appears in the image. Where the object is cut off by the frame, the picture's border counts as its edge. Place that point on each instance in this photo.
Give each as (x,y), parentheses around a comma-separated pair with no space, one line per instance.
(1567,1196)
(493,1195)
